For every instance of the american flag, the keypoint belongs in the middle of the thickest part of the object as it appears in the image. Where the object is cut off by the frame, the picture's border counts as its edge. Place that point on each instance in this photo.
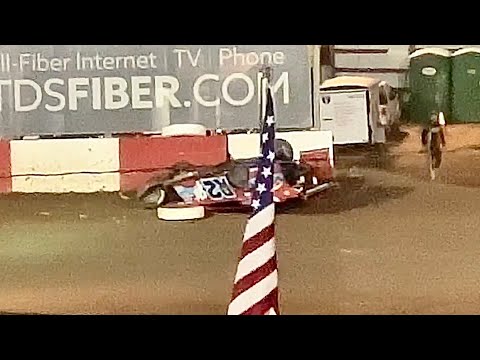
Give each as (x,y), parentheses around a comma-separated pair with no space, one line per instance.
(255,290)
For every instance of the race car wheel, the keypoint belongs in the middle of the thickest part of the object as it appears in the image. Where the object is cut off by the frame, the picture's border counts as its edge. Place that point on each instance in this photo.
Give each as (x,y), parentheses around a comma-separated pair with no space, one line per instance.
(283,150)
(238,175)
(180,213)
(154,197)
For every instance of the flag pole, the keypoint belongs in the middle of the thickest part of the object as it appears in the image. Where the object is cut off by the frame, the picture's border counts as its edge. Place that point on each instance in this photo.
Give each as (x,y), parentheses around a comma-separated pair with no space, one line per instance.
(266,77)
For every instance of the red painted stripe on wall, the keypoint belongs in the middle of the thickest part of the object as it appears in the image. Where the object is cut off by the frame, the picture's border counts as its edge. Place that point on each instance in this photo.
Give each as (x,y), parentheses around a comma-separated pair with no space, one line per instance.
(5,167)
(142,156)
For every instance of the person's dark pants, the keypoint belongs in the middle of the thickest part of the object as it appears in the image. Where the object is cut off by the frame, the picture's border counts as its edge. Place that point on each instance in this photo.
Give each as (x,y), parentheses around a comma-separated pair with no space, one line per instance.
(436,151)
(436,157)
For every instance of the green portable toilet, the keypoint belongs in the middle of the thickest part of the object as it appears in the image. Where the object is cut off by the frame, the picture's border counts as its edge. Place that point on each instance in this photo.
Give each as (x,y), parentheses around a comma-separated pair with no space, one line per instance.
(430,83)
(466,85)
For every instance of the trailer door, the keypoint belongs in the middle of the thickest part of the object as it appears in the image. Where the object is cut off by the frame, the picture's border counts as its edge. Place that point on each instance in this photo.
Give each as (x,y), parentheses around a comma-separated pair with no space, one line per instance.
(345,113)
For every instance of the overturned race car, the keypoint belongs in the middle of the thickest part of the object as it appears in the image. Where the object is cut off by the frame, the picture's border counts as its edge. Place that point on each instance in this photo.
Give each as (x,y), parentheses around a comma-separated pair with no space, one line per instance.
(184,191)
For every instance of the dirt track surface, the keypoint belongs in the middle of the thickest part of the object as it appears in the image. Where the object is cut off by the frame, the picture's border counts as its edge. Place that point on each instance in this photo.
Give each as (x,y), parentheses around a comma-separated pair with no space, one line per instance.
(387,243)
(461,158)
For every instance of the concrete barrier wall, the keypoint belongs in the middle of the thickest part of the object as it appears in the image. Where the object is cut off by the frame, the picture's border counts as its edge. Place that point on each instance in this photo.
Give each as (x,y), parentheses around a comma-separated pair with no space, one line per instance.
(123,164)
(64,156)
(244,146)
(141,156)
(78,183)
(95,165)
(5,168)
(65,165)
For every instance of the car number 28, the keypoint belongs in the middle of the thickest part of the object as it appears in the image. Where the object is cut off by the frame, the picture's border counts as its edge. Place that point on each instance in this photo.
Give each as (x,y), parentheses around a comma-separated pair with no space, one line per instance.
(218,188)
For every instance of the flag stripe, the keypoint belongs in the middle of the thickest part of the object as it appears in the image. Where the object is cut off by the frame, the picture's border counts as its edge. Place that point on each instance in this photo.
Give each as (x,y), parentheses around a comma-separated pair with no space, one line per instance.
(258,240)
(255,290)
(254,277)
(260,221)
(255,294)
(271,312)
(264,305)
(256,259)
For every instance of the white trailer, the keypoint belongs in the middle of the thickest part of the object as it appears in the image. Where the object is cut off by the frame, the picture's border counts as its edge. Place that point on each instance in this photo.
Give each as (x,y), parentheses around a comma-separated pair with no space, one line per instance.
(350,109)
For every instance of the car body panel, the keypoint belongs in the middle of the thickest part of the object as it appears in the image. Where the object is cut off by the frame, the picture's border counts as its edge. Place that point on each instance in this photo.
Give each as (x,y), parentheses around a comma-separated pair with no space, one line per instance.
(213,188)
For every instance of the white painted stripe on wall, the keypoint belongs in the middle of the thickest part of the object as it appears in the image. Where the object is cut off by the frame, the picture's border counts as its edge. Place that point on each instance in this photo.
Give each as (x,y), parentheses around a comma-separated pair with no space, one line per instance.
(61,156)
(244,146)
(309,140)
(77,183)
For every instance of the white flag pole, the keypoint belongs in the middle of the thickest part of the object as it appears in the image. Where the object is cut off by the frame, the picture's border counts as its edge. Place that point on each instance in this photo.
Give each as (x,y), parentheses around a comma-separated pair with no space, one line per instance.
(264,85)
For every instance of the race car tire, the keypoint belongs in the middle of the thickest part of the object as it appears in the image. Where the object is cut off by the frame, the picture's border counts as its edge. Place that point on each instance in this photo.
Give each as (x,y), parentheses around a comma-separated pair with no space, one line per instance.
(292,172)
(184,130)
(238,175)
(180,213)
(283,150)
(154,197)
